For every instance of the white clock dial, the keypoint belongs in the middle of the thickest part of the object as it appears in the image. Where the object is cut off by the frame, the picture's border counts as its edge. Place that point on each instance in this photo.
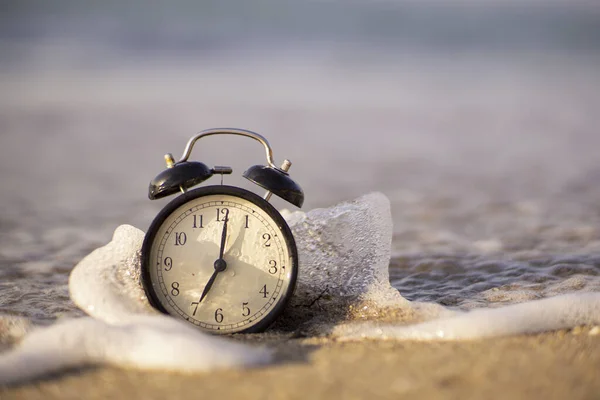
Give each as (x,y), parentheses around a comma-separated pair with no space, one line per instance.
(239,291)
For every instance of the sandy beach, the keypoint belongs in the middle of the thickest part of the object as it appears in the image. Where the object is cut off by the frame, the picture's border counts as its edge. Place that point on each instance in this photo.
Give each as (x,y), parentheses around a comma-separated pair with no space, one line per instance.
(479,124)
(557,365)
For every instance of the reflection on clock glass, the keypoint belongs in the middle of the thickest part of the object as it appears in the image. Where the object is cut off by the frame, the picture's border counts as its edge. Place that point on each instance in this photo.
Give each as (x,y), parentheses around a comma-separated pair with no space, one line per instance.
(226,294)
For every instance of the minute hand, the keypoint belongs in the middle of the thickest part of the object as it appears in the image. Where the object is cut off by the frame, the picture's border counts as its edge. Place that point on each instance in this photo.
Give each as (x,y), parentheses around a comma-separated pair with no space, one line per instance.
(224,236)
(220,264)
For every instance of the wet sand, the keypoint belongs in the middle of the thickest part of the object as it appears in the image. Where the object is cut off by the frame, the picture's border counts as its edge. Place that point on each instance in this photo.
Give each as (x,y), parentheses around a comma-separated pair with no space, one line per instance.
(486,154)
(556,365)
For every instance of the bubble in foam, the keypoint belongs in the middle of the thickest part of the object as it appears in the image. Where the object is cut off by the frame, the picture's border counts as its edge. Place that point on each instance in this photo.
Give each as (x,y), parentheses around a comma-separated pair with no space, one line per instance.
(144,342)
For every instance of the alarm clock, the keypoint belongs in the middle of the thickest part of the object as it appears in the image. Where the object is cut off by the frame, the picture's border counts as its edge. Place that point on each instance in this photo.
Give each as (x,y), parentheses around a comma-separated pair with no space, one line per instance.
(221,257)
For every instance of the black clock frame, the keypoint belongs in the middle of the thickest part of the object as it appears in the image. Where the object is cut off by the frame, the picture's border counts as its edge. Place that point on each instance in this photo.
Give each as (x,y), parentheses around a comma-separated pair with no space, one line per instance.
(269,318)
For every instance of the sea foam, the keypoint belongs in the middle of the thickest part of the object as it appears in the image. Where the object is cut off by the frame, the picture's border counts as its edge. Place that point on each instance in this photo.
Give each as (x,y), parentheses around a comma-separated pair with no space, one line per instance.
(343,250)
(105,284)
(144,342)
(565,311)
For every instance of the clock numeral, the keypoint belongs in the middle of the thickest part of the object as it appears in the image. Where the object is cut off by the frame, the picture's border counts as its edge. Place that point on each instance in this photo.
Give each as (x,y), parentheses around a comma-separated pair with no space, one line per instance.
(273,267)
(175,289)
(267,239)
(222,212)
(180,238)
(195,308)
(246,226)
(219,315)
(245,310)
(198,221)
(168,261)
(263,291)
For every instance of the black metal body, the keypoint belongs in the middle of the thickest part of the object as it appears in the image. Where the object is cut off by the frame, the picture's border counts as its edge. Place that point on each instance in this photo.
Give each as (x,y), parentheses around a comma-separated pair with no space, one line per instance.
(231,191)
(276,181)
(182,175)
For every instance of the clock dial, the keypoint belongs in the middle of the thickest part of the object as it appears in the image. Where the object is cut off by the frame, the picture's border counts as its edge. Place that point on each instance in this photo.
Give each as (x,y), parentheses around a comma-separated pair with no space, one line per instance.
(220,261)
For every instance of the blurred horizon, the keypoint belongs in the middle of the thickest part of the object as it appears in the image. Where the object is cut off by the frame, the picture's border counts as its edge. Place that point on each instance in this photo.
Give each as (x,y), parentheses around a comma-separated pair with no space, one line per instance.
(69,34)
(416,99)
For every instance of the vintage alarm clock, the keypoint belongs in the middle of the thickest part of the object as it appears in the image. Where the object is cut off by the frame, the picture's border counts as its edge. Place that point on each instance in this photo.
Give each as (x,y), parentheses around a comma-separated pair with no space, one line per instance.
(221,257)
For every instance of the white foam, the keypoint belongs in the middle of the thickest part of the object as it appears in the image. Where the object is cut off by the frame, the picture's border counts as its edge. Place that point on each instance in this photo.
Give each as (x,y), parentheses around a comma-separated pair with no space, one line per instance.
(346,249)
(13,328)
(105,284)
(145,342)
(554,313)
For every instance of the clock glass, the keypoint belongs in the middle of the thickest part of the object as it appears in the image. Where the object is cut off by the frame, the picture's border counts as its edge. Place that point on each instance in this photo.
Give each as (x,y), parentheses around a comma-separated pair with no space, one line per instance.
(221,258)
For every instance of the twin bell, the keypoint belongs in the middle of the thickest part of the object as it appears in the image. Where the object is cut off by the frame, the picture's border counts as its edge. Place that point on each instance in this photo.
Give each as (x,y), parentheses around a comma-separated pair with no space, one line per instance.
(183,174)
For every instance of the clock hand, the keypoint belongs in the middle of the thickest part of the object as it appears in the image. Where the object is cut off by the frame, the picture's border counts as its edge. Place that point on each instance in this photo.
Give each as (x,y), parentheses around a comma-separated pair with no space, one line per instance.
(220,264)
(224,235)
(208,285)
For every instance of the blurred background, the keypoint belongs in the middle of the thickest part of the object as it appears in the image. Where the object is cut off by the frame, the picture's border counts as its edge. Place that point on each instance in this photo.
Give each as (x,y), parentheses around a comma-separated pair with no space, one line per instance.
(472,117)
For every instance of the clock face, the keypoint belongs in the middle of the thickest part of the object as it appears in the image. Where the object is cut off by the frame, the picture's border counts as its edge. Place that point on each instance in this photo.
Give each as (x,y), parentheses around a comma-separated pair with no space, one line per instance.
(221,258)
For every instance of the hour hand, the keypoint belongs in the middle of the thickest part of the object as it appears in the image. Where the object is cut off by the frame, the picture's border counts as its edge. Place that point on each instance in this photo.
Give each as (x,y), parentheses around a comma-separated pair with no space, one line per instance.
(220,266)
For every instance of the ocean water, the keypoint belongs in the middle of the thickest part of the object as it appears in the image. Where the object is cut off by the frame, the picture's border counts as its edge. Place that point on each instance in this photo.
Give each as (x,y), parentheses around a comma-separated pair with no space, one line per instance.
(478,123)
